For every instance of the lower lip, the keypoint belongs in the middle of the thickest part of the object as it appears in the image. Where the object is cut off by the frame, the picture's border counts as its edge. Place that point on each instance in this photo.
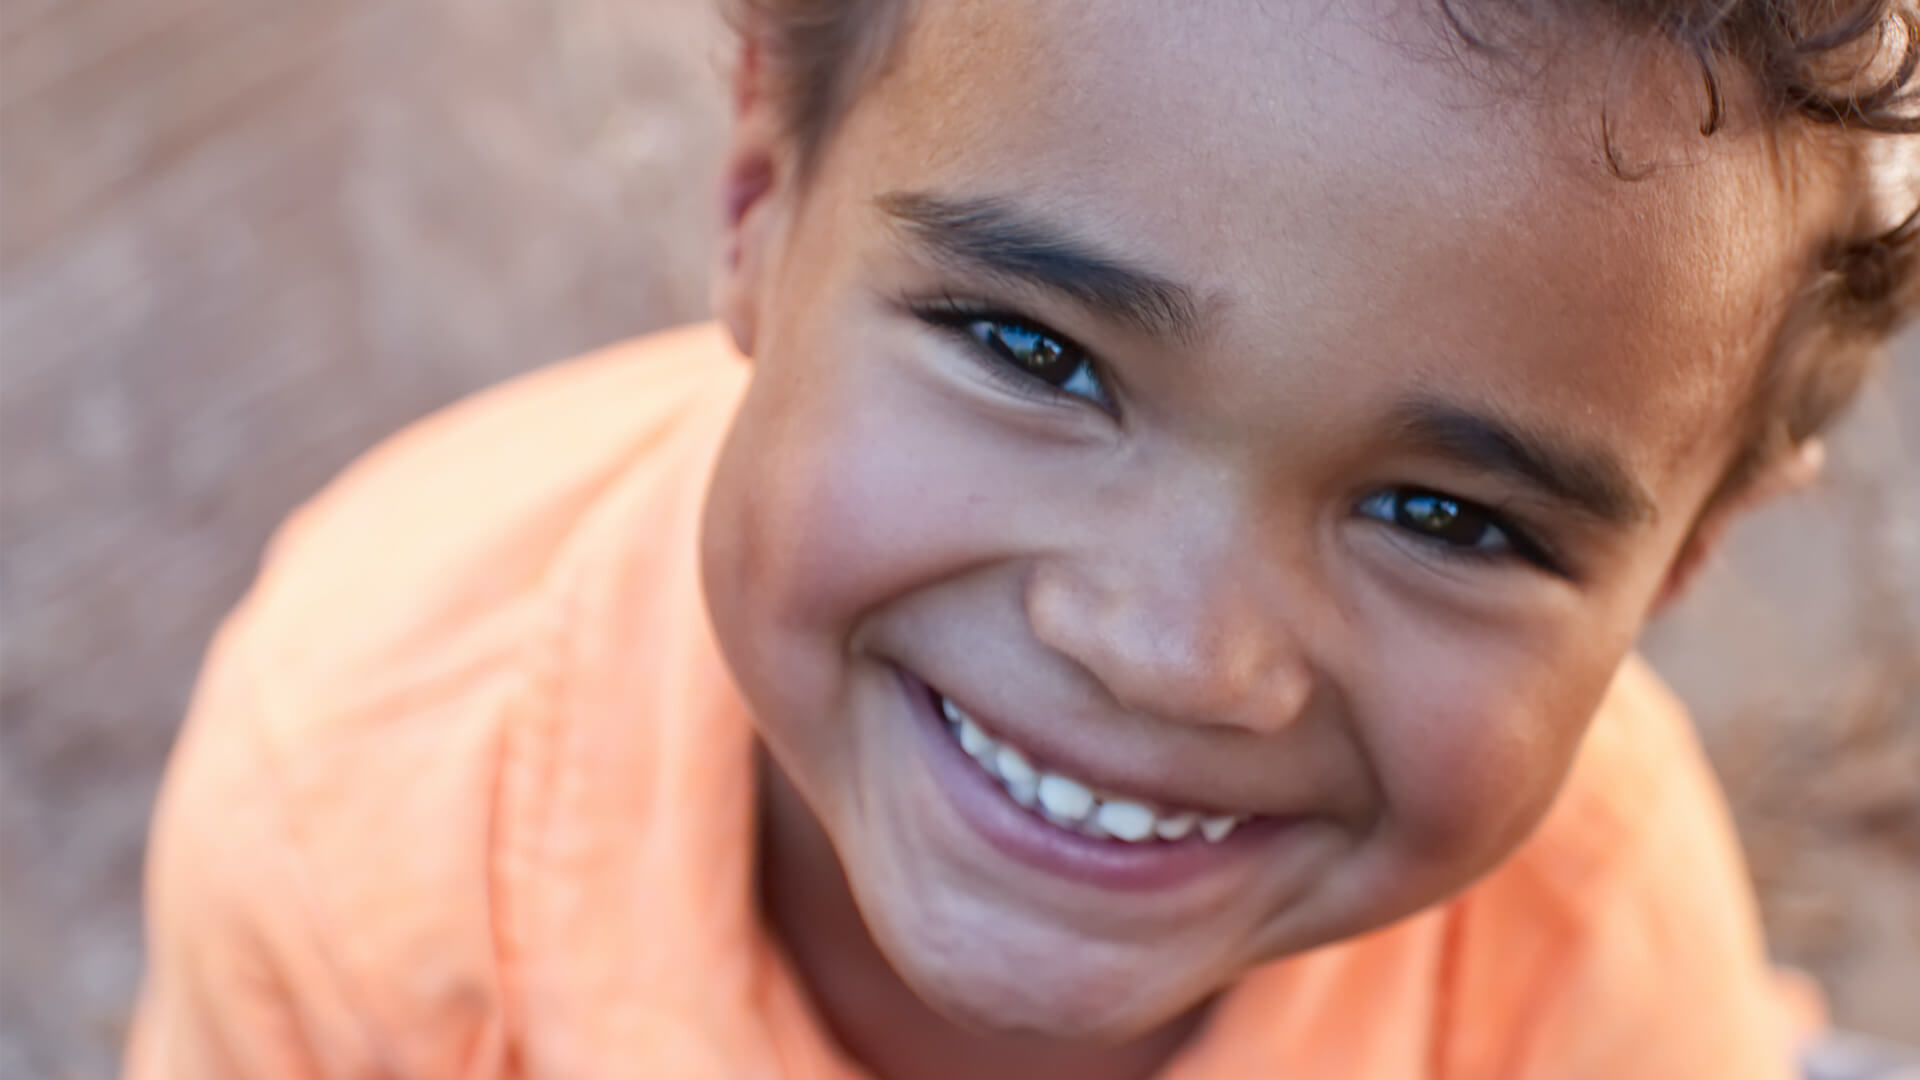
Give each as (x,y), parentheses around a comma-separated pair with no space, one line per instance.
(1026,837)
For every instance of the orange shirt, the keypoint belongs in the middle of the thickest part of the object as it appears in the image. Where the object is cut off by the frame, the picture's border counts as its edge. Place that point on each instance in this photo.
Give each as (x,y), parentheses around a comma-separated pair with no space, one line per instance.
(466,792)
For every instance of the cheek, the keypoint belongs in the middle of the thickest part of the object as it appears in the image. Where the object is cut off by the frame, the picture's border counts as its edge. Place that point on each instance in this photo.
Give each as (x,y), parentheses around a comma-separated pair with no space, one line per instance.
(848,510)
(1473,736)
(836,495)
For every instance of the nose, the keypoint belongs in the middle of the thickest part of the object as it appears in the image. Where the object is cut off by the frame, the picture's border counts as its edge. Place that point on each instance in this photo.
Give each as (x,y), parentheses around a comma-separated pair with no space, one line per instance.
(1186,632)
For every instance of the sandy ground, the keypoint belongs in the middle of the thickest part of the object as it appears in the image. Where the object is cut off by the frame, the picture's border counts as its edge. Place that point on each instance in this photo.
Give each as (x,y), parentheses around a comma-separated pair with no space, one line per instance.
(243,240)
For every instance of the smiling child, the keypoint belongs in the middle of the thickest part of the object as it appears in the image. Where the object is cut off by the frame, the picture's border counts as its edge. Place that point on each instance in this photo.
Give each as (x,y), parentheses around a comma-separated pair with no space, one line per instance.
(1139,580)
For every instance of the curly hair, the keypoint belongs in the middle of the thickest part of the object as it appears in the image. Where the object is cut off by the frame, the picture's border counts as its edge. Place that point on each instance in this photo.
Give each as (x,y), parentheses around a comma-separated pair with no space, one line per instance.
(1846,67)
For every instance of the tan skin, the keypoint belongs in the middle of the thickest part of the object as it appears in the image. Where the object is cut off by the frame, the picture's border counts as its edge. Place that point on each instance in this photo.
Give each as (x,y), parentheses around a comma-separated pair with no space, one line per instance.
(1242,543)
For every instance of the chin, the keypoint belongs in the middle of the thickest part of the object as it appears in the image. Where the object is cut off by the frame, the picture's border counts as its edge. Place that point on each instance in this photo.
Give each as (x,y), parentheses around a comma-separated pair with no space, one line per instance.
(1038,988)
(1044,1010)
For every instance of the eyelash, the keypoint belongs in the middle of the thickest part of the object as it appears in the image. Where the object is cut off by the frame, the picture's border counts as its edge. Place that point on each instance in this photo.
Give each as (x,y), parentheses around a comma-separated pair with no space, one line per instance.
(1519,543)
(962,319)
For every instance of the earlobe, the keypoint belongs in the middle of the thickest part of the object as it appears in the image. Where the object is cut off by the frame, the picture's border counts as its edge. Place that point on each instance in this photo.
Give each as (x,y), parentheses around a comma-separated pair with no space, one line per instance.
(1793,472)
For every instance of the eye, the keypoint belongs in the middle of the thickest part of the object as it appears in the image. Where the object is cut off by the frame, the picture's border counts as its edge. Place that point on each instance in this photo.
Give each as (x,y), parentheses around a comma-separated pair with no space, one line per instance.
(1457,526)
(1027,351)
(1046,357)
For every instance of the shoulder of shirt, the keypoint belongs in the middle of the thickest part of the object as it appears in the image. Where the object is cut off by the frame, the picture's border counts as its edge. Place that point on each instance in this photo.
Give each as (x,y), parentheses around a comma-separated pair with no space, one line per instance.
(416,563)
(396,617)
(1629,896)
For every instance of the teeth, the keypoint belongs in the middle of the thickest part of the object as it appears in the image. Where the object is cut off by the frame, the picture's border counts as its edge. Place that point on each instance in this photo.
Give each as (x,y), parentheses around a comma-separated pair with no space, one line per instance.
(1072,805)
(1215,829)
(1022,781)
(1125,820)
(975,742)
(1063,799)
(1175,826)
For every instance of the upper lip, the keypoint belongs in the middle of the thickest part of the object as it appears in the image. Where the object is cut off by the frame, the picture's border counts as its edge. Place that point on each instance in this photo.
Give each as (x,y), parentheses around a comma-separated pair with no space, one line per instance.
(1118,761)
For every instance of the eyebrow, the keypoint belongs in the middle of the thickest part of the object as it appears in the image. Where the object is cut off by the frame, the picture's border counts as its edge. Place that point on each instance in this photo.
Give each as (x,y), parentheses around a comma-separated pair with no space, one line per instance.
(992,236)
(1591,479)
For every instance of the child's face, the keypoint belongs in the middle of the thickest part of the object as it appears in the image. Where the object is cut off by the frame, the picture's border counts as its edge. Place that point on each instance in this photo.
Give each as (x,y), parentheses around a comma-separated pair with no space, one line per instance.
(1363,416)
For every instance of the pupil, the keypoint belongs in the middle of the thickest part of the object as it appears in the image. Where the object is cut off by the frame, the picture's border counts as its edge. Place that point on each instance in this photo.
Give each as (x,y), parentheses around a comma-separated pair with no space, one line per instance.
(1439,517)
(1036,352)
(1044,354)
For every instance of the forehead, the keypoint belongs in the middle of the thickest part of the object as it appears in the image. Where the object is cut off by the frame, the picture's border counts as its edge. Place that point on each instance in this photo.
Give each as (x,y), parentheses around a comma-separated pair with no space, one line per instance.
(1332,180)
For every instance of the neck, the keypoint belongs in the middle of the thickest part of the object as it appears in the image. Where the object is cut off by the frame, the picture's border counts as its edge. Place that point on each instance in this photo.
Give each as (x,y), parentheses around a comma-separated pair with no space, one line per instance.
(876,1018)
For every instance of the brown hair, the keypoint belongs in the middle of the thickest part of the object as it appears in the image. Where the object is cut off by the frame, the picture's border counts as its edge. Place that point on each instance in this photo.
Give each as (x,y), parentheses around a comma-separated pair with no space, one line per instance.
(1845,67)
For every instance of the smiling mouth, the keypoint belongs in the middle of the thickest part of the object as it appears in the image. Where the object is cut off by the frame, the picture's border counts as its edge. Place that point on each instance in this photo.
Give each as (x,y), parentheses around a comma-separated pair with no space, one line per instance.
(1073,804)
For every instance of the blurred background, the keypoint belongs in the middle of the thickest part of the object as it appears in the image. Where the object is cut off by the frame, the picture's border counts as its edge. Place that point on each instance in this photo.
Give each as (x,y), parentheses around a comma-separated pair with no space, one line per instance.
(240,241)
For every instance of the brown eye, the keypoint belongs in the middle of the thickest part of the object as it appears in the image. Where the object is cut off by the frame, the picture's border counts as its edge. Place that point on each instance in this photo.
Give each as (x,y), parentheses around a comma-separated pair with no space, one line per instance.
(1453,522)
(1443,519)
(1036,353)
(1456,527)
(1042,356)
(1023,355)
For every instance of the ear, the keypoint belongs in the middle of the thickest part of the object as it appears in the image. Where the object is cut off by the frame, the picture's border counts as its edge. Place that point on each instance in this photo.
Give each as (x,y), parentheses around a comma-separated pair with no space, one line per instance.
(752,183)
(1794,471)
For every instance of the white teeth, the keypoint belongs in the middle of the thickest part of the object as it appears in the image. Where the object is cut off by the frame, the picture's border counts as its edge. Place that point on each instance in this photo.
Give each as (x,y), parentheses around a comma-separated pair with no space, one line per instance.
(1175,826)
(975,742)
(1125,820)
(1064,799)
(1215,829)
(1022,782)
(1071,804)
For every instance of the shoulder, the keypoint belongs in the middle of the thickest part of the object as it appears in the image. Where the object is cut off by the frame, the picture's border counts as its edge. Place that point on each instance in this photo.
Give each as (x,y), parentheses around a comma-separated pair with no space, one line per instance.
(1622,938)
(432,542)
(391,637)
